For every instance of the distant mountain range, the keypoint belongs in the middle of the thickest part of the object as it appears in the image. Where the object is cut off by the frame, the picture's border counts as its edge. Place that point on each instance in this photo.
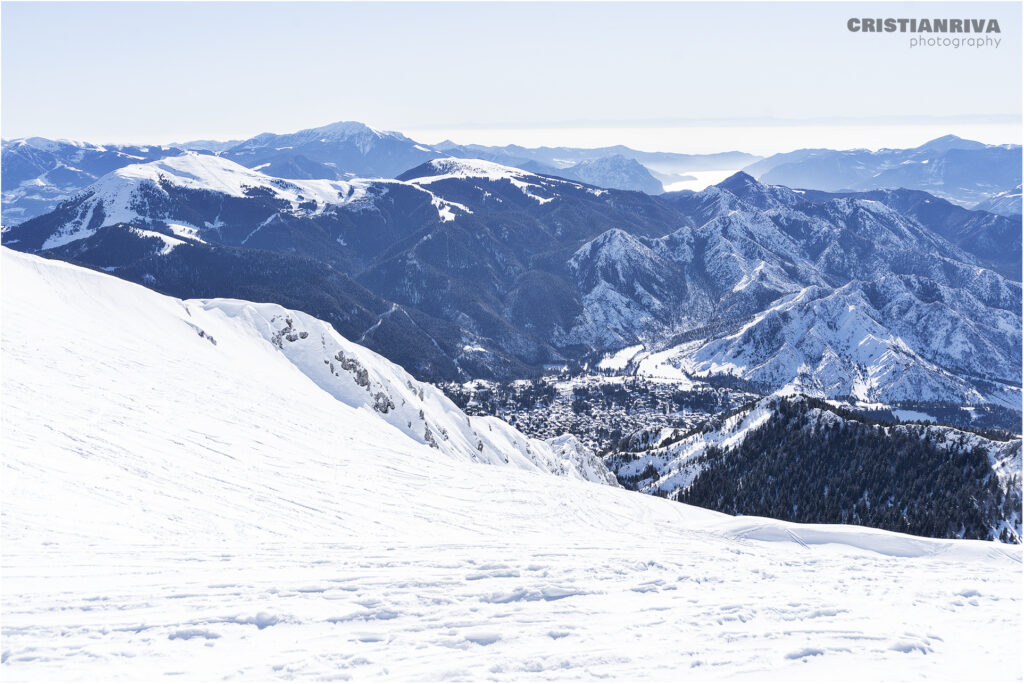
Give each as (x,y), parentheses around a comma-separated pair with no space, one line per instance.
(949,167)
(40,172)
(544,159)
(466,268)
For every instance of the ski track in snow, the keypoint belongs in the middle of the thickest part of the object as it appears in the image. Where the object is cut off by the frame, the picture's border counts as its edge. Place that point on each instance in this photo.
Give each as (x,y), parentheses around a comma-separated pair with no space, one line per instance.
(177,507)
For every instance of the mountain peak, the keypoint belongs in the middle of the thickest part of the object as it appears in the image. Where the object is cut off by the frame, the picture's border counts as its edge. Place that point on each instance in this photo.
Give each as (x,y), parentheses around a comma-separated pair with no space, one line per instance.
(763,196)
(614,171)
(360,134)
(345,129)
(191,169)
(739,182)
(951,142)
(455,167)
(609,161)
(616,157)
(612,246)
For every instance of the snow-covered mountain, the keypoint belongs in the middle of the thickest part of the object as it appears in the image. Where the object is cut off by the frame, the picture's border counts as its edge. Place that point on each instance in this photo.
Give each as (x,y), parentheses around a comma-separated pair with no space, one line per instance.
(551,159)
(536,187)
(308,353)
(962,171)
(1006,203)
(38,173)
(183,493)
(210,198)
(783,455)
(616,171)
(167,224)
(489,269)
(168,193)
(992,238)
(843,298)
(335,151)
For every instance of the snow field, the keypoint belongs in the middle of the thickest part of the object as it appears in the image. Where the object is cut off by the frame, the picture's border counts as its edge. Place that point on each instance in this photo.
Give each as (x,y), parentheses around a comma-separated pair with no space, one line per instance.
(175,506)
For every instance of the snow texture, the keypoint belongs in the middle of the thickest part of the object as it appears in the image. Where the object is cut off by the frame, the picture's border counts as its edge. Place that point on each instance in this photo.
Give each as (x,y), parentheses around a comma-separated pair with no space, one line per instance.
(184,495)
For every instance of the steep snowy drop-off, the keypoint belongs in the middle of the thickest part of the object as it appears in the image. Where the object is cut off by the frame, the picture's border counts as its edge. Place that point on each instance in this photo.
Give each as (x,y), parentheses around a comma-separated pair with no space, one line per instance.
(197,504)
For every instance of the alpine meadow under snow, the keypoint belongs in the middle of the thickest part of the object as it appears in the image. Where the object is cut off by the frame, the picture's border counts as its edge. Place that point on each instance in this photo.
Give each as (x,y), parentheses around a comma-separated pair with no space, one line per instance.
(215,489)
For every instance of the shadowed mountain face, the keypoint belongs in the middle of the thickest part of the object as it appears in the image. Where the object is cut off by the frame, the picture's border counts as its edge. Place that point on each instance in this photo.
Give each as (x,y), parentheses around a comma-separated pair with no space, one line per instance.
(466,268)
(617,172)
(992,238)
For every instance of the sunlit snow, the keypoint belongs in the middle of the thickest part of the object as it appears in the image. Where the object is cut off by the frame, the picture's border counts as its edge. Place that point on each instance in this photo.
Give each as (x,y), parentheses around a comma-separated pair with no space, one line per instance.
(184,498)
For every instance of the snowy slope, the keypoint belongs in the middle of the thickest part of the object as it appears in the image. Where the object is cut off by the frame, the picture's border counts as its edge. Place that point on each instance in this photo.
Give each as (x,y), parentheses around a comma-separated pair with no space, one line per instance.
(189,504)
(319,357)
(542,189)
(744,279)
(39,173)
(138,193)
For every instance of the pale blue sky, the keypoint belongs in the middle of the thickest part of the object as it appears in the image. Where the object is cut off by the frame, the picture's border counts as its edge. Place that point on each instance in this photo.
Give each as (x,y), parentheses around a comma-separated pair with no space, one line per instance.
(157,72)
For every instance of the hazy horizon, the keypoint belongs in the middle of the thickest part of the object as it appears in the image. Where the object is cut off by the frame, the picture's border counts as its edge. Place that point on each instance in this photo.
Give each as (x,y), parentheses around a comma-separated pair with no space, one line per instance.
(703,138)
(575,74)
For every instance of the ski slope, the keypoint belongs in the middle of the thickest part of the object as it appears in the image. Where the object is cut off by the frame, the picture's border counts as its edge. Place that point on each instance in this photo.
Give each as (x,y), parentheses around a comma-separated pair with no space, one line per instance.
(173,506)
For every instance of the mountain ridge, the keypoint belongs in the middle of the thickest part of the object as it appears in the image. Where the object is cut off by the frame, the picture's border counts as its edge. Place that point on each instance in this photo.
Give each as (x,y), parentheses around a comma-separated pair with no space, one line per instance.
(533,269)
(958,170)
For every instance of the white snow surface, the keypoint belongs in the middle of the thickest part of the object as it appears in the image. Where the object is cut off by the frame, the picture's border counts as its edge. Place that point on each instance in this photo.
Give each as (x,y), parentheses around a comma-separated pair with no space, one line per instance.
(175,507)
(620,359)
(456,167)
(123,195)
(118,196)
